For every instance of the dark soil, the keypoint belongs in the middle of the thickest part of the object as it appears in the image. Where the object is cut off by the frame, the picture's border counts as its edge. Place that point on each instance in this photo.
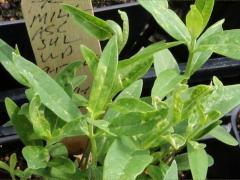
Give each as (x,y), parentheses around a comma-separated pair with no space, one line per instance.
(11,9)
(238,122)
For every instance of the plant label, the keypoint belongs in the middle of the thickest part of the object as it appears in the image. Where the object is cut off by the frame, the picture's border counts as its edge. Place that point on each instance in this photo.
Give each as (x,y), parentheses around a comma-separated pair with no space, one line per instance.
(55,37)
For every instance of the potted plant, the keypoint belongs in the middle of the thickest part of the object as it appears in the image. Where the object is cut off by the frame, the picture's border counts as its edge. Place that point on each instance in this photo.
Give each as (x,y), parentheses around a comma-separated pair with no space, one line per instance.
(130,137)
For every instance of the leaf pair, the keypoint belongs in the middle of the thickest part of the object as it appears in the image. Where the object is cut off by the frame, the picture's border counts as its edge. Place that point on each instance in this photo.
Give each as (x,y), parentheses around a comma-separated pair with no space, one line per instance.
(125,160)
(100,29)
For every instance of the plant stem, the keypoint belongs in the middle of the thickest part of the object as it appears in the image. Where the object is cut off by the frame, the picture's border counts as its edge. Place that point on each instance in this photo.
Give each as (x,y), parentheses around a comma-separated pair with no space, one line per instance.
(93,145)
(189,64)
(190,58)
(12,176)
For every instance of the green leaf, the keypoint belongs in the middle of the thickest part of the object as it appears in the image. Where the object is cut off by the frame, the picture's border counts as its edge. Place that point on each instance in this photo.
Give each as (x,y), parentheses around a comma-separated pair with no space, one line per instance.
(78,80)
(194,21)
(12,162)
(63,165)
(156,172)
(137,66)
(6,52)
(101,124)
(58,150)
(91,24)
(90,58)
(149,51)
(222,135)
(172,172)
(199,58)
(225,43)
(206,129)
(49,173)
(133,123)
(40,124)
(177,141)
(216,27)
(223,99)
(50,93)
(24,175)
(104,78)
(198,160)
(4,166)
(151,4)
(77,127)
(66,77)
(176,104)
(133,91)
(79,100)
(118,33)
(183,162)
(127,105)
(165,83)
(194,95)
(54,121)
(7,124)
(151,138)
(217,83)
(103,144)
(167,19)
(125,32)
(68,73)
(37,157)
(125,161)
(20,122)
(164,60)
(205,7)
(11,107)
(17,51)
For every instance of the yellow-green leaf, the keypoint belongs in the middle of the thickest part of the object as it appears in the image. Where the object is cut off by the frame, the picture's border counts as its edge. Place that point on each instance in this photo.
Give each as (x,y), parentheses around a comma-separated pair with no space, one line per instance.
(194,21)
(205,7)
(104,78)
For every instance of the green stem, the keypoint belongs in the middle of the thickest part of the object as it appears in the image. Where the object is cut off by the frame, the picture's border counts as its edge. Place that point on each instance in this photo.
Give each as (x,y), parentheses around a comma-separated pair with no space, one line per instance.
(189,64)
(190,58)
(93,145)
(12,176)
